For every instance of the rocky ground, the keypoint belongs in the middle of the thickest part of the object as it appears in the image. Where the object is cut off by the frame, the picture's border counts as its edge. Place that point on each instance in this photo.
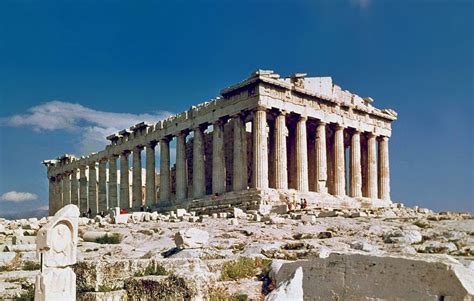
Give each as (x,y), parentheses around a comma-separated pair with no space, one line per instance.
(233,255)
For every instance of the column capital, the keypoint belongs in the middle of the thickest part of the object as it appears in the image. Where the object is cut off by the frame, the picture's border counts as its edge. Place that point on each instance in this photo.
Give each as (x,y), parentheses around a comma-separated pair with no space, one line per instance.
(259,108)
(303,118)
(371,135)
(152,143)
(340,126)
(138,147)
(383,138)
(202,127)
(323,123)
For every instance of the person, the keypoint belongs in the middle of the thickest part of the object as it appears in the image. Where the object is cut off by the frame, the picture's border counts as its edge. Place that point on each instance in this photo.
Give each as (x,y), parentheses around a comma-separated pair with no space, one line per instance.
(89,213)
(122,211)
(305,204)
(148,209)
(102,214)
(142,209)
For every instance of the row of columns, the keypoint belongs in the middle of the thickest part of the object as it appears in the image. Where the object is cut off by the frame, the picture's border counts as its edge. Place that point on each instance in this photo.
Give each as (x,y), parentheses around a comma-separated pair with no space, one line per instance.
(375,170)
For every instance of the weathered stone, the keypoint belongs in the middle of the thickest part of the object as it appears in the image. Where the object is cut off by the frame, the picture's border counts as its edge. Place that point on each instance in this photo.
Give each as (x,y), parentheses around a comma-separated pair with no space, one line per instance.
(403,236)
(191,238)
(291,289)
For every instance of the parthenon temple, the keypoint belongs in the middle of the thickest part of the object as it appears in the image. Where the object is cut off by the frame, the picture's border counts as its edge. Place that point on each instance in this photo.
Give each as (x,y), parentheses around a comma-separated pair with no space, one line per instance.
(267,140)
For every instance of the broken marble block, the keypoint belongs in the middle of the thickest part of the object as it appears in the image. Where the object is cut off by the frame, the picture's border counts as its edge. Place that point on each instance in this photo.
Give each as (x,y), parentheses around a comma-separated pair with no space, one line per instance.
(191,238)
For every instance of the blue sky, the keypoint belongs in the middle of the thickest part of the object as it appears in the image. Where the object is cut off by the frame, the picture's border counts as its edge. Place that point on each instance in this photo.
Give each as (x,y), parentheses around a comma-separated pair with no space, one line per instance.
(73,71)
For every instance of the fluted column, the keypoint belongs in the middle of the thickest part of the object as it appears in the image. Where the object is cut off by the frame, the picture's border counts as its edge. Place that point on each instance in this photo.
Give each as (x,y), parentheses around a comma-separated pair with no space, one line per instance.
(199,177)
(103,186)
(74,188)
(301,155)
(372,166)
(53,195)
(181,174)
(164,170)
(280,162)
(339,168)
(384,170)
(83,189)
(239,167)
(321,159)
(66,189)
(92,188)
(113,201)
(150,175)
(124,181)
(356,168)
(218,159)
(137,178)
(260,149)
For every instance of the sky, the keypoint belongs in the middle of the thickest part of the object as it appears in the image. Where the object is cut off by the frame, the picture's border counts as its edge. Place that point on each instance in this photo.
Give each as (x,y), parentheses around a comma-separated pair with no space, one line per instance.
(73,72)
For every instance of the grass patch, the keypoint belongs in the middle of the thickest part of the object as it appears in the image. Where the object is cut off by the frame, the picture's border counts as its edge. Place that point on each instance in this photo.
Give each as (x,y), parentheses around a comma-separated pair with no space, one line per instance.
(104,289)
(31,266)
(111,239)
(244,267)
(152,270)
(27,295)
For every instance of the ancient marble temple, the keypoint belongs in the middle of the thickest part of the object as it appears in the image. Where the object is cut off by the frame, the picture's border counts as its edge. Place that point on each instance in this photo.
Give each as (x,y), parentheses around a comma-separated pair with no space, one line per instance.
(267,140)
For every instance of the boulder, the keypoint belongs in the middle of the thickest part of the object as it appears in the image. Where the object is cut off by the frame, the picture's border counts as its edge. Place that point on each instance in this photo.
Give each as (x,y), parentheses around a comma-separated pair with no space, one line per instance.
(403,236)
(363,246)
(191,238)
(291,289)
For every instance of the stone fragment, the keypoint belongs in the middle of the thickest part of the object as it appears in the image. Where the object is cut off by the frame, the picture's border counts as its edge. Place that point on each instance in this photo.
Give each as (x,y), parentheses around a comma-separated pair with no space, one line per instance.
(191,238)
(363,246)
(180,212)
(331,213)
(437,247)
(234,222)
(24,240)
(7,258)
(239,213)
(310,219)
(291,289)
(403,236)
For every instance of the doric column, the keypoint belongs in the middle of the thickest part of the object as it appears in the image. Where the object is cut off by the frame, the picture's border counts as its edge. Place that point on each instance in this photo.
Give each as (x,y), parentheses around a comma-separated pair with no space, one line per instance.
(103,186)
(124,181)
(321,159)
(53,195)
(301,155)
(384,170)
(92,189)
(66,189)
(113,200)
(356,167)
(199,176)
(137,178)
(164,170)
(239,167)
(339,168)
(372,166)
(181,175)
(74,188)
(260,149)
(150,175)
(83,189)
(280,162)
(218,159)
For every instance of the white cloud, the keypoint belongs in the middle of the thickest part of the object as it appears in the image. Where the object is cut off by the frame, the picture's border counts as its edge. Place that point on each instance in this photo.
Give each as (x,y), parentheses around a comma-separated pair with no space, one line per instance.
(91,126)
(14,196)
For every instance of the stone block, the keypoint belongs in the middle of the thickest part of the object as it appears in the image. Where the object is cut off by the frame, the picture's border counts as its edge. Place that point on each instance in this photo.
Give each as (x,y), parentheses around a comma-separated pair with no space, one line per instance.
(24,240)
(191,238)
(331,213)
(122,218)
(310,219)
(180,212)
(55,284)
(7,258)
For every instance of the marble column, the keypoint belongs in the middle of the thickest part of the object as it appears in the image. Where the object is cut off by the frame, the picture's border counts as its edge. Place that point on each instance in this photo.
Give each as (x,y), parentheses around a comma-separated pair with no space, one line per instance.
(53,195)
(339,165)
(112,185)
(199,177)
(239,167)
(165,195)
(301,155)
(356,167)
(218,159)
(372,166)
(83,189)
(181,174)
(92,189)
(74,188)
(103,186)
(66,189)
(260,149)
(321,159)
(384,170)
(124,181)
(150,175)
(280,162)
(137,178)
